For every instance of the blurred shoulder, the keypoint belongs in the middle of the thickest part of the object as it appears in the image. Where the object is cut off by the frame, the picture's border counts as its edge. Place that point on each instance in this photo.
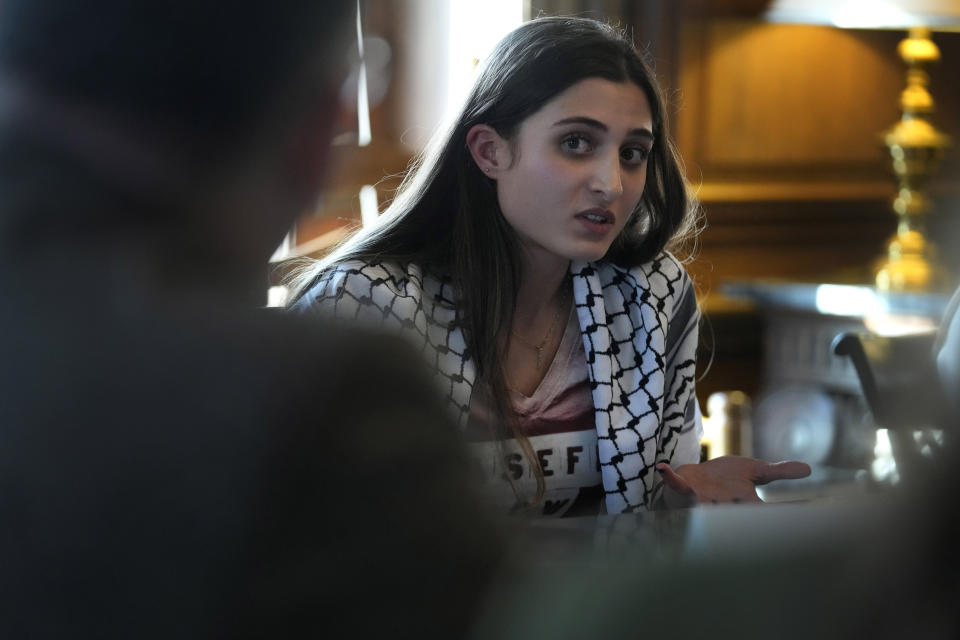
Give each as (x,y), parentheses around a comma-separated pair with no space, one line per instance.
(345,288)
(359,275)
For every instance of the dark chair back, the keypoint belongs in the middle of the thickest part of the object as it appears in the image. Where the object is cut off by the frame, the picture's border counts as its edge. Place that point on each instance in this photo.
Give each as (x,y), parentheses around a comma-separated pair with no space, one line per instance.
(899,378)
(901,384)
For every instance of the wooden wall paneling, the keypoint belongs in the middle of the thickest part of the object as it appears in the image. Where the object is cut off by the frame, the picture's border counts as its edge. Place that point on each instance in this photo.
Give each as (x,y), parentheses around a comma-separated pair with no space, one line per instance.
(780,127)
(784,112)
(835,241)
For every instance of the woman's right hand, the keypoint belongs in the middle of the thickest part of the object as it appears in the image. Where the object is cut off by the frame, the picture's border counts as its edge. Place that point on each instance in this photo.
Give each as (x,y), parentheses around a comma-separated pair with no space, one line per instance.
(724,479)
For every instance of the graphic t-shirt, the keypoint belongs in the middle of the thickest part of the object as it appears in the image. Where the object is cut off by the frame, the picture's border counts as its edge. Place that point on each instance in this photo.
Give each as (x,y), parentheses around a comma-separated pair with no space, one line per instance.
(558,419)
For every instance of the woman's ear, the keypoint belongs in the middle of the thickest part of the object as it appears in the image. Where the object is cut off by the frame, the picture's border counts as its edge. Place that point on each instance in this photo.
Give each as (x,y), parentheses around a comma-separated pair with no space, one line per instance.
(489,150)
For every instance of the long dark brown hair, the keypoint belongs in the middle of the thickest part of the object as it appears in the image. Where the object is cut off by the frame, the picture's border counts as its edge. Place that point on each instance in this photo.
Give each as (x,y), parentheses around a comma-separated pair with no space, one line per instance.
(446,216)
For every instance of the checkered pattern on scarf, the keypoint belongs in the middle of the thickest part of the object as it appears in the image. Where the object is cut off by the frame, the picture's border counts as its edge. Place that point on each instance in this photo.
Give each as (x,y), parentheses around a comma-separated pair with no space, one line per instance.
(639,330)
(639,335)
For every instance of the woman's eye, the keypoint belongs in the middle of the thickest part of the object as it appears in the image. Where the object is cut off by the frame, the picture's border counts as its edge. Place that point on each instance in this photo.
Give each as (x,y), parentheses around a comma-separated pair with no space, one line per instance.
(634,155)
(576,143)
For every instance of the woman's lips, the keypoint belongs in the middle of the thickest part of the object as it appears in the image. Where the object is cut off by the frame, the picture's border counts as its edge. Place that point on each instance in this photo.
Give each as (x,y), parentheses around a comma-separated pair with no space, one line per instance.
(596,221)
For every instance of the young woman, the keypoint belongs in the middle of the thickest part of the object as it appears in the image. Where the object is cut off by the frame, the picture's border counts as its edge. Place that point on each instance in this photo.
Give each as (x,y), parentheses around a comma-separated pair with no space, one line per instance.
(526,255)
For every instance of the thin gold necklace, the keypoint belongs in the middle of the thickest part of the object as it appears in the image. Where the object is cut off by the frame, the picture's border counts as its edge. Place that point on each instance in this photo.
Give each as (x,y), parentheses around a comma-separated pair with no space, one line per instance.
(538,348)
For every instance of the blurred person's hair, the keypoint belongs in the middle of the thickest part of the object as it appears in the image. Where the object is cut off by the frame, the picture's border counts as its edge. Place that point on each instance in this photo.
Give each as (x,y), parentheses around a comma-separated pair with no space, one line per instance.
(200,127)
(207,74)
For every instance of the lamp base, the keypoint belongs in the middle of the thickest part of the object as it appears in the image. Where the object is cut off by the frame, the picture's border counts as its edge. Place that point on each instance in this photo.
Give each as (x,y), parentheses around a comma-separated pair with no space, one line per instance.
(911,264)
(915,148)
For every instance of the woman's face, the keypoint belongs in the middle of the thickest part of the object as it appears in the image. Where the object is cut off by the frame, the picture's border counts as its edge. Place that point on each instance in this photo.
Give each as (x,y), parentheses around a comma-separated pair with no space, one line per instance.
(577,170)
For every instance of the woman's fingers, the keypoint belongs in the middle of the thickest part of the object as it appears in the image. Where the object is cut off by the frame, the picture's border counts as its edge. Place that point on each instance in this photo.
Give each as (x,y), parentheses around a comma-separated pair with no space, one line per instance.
(674,481)
(727,479)
(789,470)
(684,495)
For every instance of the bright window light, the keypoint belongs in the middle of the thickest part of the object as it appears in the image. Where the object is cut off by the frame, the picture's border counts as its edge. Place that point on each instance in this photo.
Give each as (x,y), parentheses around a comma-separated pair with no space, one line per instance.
(369,207)
(363,102)
(475,27)
(899,325)
(867,14)
(277,296)
(286,246)
(884,467)
(842,300)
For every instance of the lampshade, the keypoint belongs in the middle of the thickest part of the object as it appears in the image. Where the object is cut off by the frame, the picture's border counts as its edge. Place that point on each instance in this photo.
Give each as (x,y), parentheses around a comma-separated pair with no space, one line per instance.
(938,15)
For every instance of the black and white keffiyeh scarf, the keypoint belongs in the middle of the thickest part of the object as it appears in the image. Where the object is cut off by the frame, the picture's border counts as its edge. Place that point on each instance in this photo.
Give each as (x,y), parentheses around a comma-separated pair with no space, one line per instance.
(639,328)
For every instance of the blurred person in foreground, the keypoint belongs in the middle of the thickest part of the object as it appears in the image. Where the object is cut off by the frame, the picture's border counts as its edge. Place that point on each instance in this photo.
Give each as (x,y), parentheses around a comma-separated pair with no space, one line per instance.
(174,462)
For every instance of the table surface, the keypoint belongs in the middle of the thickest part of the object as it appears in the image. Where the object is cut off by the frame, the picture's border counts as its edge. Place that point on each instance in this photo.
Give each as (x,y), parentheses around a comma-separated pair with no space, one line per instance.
(701,531)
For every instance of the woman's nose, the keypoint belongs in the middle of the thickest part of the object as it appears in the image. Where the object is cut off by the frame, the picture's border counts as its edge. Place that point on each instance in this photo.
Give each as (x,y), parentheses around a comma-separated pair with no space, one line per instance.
(606,179)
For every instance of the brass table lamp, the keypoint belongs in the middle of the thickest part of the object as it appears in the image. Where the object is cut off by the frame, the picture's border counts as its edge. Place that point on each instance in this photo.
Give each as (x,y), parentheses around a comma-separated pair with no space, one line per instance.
(915,145)
(916,148)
